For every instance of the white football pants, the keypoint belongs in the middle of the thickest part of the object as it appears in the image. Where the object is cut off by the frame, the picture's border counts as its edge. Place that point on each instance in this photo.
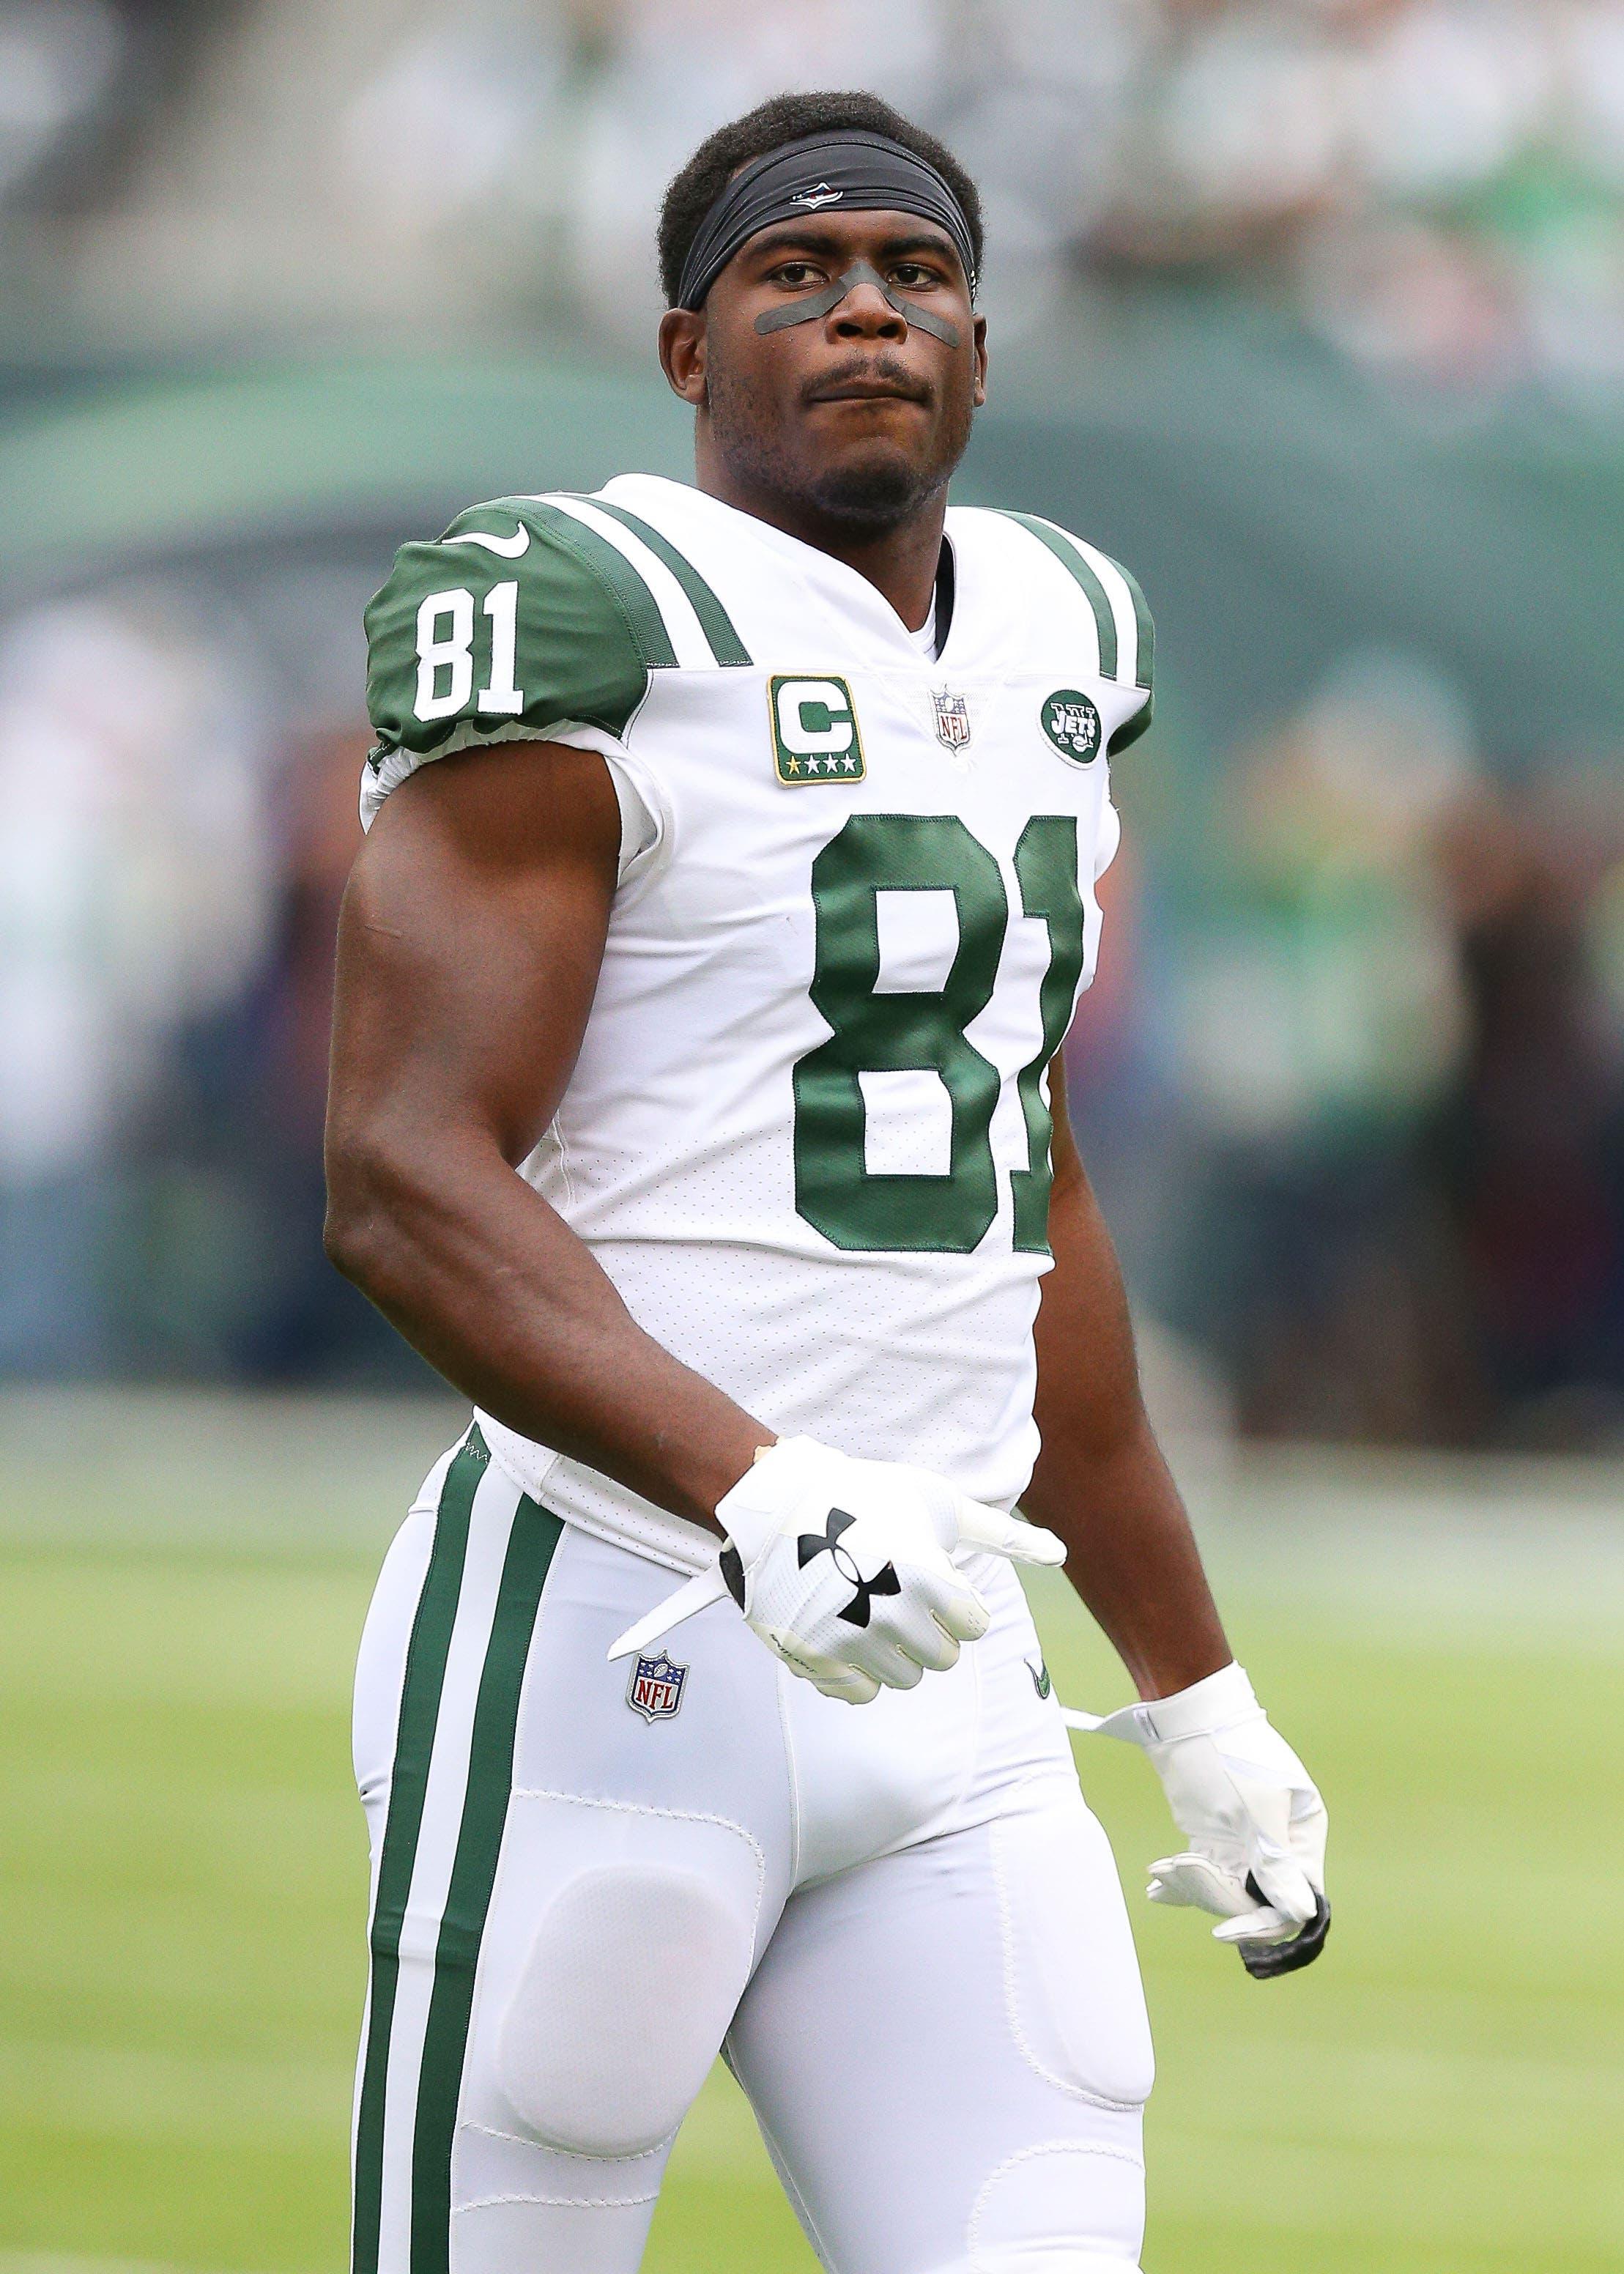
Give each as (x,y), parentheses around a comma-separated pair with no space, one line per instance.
(898,1921)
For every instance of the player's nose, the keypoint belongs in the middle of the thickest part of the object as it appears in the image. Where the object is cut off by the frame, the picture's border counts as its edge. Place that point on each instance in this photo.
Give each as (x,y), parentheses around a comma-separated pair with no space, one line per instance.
(866,314)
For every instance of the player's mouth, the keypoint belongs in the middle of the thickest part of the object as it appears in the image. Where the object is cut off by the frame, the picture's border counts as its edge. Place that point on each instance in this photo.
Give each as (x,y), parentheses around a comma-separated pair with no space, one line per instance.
(871,384)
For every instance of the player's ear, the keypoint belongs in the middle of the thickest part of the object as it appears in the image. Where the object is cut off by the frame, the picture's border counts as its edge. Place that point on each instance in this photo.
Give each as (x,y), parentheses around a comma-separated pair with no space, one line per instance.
(980,395)
(682,352)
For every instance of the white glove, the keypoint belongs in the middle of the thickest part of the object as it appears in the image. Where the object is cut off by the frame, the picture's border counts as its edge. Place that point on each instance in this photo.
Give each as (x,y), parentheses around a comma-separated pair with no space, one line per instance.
(1255,1822)
(842,1568)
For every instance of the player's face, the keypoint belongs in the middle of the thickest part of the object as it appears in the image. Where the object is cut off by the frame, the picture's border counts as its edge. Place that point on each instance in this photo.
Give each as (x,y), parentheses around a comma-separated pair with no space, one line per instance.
(859,414)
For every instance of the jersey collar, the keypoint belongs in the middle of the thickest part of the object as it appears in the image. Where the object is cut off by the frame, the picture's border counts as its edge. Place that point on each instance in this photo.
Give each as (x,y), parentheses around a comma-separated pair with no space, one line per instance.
(841,591)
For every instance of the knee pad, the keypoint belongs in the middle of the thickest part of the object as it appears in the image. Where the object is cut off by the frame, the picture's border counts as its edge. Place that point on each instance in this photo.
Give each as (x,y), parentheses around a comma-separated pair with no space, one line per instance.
(619,2009)
(1061,2207)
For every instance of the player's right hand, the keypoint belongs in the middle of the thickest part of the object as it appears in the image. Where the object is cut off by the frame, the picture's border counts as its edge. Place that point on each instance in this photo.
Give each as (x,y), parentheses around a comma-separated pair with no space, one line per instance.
(842,1567)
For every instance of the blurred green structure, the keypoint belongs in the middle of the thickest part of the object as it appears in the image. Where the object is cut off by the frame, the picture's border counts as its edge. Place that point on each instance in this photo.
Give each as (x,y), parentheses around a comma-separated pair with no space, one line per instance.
(1282,510)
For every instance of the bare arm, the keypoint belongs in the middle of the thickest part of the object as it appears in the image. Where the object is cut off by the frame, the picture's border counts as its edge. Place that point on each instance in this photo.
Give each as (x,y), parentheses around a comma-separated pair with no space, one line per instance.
(470,945)
(1101,1481)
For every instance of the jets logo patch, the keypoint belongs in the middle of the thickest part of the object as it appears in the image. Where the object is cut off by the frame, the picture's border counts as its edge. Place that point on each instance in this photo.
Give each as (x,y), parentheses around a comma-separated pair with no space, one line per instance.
(1072,725)
(656,1688)
(814,736)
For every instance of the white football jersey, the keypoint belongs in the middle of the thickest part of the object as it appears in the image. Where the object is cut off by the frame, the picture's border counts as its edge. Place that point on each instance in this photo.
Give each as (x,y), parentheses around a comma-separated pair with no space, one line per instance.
(808,1134)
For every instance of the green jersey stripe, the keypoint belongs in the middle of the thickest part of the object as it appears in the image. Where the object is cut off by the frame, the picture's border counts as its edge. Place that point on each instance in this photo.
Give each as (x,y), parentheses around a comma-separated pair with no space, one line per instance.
(534,1537)
(718,626)
(414,1744)
(638,609)
(1145,675)
(1131,729)
(1073,562)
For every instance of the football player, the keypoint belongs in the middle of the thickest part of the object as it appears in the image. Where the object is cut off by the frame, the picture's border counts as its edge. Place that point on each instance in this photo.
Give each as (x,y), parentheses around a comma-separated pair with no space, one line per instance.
(698,1111)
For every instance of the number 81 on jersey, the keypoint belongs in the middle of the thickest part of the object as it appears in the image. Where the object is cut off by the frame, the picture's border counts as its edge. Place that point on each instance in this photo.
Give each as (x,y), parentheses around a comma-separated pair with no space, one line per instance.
(875,1032)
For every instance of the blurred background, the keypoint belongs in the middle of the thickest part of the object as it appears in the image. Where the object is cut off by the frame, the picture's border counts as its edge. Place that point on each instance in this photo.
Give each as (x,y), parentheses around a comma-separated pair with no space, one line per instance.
(1313,314)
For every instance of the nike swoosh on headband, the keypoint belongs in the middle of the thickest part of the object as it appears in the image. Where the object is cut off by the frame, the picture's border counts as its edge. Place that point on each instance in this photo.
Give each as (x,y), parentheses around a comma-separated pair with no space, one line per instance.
(509,547)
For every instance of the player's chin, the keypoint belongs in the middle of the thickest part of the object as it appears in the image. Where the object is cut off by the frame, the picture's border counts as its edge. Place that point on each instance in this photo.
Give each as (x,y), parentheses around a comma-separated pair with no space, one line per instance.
(874,479)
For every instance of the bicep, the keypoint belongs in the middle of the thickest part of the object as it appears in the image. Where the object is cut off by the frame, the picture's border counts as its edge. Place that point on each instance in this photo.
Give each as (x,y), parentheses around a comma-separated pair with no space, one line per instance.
(469,942)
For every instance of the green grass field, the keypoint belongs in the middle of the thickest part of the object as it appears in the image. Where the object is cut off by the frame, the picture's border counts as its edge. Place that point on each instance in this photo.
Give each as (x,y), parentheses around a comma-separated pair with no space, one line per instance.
(182,1885)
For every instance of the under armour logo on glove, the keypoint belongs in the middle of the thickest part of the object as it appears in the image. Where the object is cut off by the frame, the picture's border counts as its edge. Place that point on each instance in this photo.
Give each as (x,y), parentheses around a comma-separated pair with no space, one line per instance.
(884,1581)
(789,1564)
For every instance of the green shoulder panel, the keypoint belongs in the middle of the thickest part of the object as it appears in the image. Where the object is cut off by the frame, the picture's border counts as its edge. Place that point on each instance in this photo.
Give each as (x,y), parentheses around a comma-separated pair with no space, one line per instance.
(519,619)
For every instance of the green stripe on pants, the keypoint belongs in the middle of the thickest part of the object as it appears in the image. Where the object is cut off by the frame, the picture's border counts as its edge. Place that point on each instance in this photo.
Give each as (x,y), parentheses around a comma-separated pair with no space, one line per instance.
(530,1545)
(414,1745)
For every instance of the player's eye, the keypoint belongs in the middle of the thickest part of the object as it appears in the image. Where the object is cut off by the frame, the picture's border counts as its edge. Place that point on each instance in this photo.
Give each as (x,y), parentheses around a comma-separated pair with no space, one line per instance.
(914,276)
(794,272)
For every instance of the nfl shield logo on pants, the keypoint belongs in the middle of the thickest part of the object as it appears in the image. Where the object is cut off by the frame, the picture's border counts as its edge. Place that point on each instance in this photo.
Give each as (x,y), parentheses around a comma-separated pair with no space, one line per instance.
(656,1687)
(953,718)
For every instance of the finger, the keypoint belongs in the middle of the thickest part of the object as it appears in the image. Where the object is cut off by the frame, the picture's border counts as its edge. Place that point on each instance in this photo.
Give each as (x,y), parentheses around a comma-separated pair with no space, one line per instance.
(1306,1835)
(822,1668)
(980,1526)
(1265,1924)
(960,1612)
(917,1629)
(894,1667)
(942,1647)
(1266,1962)
(1284,1884)
(1200,1884)
(852,1686)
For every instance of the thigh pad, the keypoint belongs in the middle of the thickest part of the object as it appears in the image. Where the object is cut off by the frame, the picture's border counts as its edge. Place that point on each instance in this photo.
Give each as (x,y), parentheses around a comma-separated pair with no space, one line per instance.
(630,1979)
(1070,1977)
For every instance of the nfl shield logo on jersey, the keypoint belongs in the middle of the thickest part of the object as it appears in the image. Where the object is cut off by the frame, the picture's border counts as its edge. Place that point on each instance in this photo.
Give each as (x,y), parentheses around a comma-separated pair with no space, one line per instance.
(656,1687)
(953,718)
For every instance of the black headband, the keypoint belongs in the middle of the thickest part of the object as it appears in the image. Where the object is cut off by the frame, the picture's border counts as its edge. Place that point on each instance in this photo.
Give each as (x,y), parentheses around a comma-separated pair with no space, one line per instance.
(859,172)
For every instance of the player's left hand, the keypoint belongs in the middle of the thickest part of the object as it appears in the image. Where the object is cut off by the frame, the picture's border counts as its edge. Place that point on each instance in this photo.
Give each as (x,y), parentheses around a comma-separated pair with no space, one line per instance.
(1253,1819)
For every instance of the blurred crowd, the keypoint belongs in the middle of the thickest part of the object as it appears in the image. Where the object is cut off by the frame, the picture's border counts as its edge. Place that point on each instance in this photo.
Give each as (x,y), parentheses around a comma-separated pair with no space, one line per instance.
(1351,1081)
(181,816)
(1435,187)
(1352,1076)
